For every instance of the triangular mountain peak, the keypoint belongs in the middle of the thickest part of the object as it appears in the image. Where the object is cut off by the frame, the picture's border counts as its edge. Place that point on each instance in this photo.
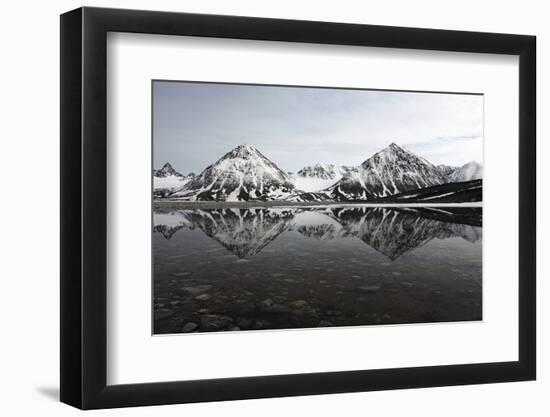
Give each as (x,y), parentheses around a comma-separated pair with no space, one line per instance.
(242,151)
(242,174)
(167,170)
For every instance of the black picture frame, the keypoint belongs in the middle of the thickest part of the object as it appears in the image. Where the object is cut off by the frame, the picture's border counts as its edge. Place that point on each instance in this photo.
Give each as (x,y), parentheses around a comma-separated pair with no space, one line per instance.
(84,207)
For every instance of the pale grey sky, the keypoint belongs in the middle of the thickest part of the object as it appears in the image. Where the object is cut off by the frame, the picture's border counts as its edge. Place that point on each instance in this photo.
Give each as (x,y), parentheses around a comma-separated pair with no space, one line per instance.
(194,124)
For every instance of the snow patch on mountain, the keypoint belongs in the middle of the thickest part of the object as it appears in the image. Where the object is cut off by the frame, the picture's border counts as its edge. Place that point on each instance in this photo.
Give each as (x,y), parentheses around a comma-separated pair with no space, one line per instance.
(312,184)
(320,176)
(170,183)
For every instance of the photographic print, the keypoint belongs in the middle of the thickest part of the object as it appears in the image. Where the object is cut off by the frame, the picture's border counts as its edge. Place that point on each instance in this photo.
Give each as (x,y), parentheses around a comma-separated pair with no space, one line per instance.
(291,207)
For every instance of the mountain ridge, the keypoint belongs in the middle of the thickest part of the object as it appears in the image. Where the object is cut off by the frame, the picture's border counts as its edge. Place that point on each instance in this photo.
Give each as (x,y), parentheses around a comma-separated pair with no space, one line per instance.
(245,174)
(242,174)
(390,171)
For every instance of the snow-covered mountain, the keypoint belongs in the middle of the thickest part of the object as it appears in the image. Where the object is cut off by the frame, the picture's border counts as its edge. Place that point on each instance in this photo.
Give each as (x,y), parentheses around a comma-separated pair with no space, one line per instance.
(320,176)
(166,171)
(167,179)
(242,174)
(323,171)
(446,169)
(393,170)
(468,172)
(245,174)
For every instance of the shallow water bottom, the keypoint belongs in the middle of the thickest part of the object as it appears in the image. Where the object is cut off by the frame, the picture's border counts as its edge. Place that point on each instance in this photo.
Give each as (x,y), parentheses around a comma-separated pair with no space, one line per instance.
(248,269)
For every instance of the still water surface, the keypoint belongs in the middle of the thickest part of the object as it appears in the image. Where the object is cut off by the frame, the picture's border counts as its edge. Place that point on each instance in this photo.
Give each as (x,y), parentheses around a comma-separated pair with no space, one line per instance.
(296,267)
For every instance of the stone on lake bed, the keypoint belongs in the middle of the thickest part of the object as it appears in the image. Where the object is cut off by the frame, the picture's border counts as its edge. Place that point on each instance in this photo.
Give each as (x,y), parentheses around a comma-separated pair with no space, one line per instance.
(244,323)
(261,324)
(199,289)
(215,322)
(280,309)
(266,304)
(163,313)
(203,297)
(305,311)
(334,313)
(189,327)
(370,288)
(247,308)
(299,303)
(269,306)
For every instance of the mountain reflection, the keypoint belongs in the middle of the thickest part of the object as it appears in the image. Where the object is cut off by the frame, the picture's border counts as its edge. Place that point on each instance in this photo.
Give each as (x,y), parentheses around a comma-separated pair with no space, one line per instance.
(391,231)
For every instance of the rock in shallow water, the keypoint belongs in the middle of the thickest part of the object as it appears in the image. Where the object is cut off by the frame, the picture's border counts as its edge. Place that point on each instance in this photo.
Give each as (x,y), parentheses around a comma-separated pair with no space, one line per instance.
(370,288)
(246,308)
(163,313)
(203,297)
(299,303)
(189,327)
(280,309)
(261,324)
(215,322)
(199,289)
(268,306)
(244,323)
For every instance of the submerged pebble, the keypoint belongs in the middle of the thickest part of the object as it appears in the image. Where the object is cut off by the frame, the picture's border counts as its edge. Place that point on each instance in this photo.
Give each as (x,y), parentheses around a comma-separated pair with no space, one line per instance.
(189,327)
(163,313)
(215,322)
(370,288)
